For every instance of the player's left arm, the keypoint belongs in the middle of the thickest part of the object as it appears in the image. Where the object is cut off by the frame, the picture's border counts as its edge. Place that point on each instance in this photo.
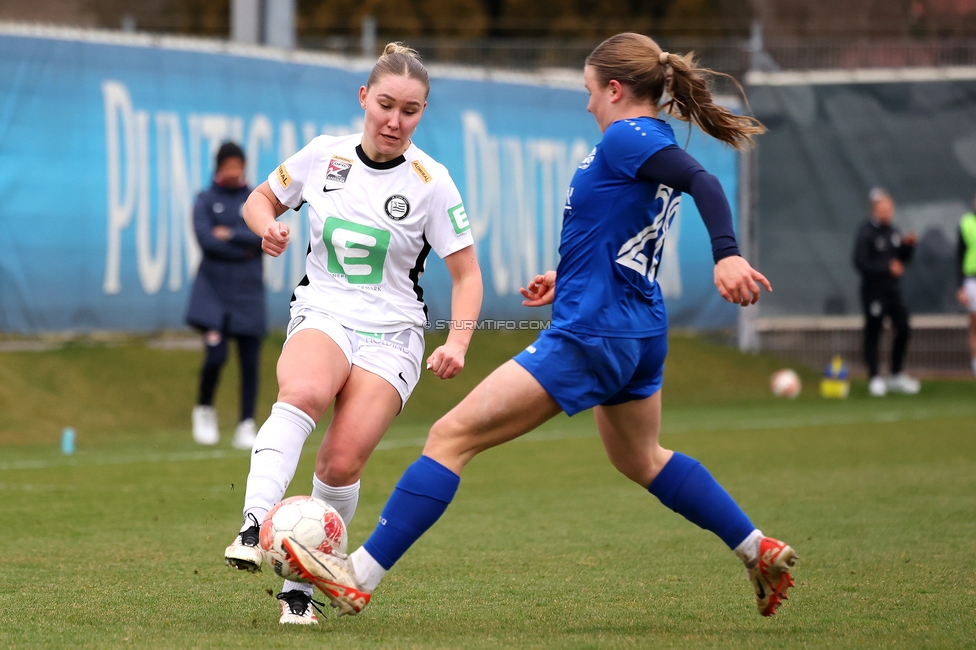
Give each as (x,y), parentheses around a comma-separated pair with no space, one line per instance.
(466,294)
(735,279)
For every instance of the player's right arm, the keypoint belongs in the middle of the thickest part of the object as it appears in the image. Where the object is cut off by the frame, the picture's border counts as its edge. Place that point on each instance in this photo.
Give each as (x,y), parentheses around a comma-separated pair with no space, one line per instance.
(284,189)
(541,291)
(261,212)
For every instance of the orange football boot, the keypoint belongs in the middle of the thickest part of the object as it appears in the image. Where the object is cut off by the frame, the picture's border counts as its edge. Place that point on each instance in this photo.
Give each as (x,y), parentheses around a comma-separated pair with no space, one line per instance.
(333,574)
(771,575)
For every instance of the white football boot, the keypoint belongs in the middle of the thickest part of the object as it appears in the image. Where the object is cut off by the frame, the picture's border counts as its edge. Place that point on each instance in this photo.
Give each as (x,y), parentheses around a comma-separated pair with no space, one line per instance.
(244,435)
(904,384)
(205,431)
(298,608)
(244,552)
(878,387)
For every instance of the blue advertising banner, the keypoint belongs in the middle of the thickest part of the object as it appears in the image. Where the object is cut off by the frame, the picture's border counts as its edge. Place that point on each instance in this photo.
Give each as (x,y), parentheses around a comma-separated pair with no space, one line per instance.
(105,141)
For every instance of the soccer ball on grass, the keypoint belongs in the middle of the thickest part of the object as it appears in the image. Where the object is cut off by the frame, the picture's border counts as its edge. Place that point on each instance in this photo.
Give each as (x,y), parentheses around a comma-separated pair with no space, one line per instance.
(785,383)
(313,522)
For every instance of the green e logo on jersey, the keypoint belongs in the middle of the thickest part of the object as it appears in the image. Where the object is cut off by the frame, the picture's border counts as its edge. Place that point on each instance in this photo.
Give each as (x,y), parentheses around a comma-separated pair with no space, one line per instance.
(355,251)
(459,219)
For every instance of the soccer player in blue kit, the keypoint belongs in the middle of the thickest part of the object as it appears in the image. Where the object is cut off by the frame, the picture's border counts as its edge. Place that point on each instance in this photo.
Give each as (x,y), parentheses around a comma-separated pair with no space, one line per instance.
(606,347)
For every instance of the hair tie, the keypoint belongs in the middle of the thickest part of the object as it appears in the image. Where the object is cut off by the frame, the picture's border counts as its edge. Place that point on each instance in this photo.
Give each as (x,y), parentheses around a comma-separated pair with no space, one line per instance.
(663,58)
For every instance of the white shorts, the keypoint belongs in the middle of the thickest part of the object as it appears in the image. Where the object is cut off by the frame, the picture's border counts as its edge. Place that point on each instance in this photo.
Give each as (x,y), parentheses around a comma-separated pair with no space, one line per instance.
(394,356)
(969,284)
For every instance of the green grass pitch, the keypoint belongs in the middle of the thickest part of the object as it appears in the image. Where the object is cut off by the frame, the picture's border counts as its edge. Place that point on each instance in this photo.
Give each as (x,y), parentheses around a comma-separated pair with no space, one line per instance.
(120,545)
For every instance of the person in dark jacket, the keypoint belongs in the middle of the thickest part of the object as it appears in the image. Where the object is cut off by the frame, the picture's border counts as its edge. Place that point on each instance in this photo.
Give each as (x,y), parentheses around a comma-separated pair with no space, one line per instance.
(227,299)
(880,255)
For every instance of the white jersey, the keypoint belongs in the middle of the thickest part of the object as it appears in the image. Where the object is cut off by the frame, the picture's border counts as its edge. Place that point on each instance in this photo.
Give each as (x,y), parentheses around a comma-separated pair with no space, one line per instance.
(371,228)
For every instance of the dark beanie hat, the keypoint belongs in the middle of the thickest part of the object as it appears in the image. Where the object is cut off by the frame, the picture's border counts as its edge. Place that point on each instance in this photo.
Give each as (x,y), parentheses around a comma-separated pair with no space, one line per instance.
(228,150)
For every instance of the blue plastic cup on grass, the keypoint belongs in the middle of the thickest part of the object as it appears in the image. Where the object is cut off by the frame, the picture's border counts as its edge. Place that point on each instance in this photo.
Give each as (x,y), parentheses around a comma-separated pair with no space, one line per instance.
(68,441)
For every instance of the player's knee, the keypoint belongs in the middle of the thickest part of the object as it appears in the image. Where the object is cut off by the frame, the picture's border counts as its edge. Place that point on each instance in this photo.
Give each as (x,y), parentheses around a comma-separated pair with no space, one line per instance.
(304,399)
(641,467)
(446,438)
(339,469)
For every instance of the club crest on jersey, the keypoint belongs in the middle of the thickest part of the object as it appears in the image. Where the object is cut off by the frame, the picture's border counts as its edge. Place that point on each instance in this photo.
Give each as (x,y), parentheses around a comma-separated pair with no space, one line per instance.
(397,207)
(338,171)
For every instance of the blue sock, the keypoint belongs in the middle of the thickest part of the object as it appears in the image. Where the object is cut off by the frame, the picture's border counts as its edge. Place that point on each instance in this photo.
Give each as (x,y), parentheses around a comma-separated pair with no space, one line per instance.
(419,499)
(686,487)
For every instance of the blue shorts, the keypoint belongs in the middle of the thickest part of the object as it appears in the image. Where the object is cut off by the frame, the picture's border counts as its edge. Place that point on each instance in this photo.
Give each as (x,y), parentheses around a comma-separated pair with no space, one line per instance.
(580,371)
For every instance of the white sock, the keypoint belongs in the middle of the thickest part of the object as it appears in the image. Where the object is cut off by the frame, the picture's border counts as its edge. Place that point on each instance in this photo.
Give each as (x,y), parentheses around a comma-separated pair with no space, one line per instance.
(369,572)
(274,458)
(748,550)
(304,587)
(343,499)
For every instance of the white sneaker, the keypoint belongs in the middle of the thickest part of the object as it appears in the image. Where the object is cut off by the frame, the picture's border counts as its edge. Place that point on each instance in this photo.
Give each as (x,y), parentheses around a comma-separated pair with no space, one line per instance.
(878,387)
(245,552)
(205,431)
(904,384)
(244,435)
(298,608)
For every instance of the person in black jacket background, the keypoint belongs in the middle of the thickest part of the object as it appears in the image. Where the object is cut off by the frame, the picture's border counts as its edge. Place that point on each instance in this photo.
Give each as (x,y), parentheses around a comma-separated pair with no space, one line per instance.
(880,255)
(227,299)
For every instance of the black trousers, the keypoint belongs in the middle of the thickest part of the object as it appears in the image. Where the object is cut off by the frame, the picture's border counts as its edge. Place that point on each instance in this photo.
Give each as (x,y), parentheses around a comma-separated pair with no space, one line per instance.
(878,304)
(249,355)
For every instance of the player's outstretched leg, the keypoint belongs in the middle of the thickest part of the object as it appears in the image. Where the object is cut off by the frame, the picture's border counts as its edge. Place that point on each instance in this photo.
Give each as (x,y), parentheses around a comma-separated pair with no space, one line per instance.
(274,460)
(630,435)
(419,499)
(685,486)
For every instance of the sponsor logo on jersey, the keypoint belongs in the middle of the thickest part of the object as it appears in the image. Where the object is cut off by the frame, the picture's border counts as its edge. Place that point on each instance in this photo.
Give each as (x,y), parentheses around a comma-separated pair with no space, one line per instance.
(356,251)
(397,207)
(419,168)
(218,207)
(282,174)
(588,160)
(459,219)
(337,172)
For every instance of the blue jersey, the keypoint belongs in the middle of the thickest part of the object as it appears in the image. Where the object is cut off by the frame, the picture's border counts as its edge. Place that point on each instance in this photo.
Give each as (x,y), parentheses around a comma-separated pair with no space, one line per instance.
(613,234)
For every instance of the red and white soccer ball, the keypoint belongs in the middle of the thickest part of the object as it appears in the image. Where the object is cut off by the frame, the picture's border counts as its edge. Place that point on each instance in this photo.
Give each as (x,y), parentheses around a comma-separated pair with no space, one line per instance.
(785,383)
(313,522)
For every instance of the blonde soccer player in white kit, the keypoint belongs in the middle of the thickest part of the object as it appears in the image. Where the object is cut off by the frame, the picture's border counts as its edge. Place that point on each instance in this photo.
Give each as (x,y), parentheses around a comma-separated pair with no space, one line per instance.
(377,206)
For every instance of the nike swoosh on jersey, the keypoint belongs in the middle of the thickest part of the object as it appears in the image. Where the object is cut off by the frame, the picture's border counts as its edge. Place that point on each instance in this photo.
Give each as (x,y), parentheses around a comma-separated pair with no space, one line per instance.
(331,189)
